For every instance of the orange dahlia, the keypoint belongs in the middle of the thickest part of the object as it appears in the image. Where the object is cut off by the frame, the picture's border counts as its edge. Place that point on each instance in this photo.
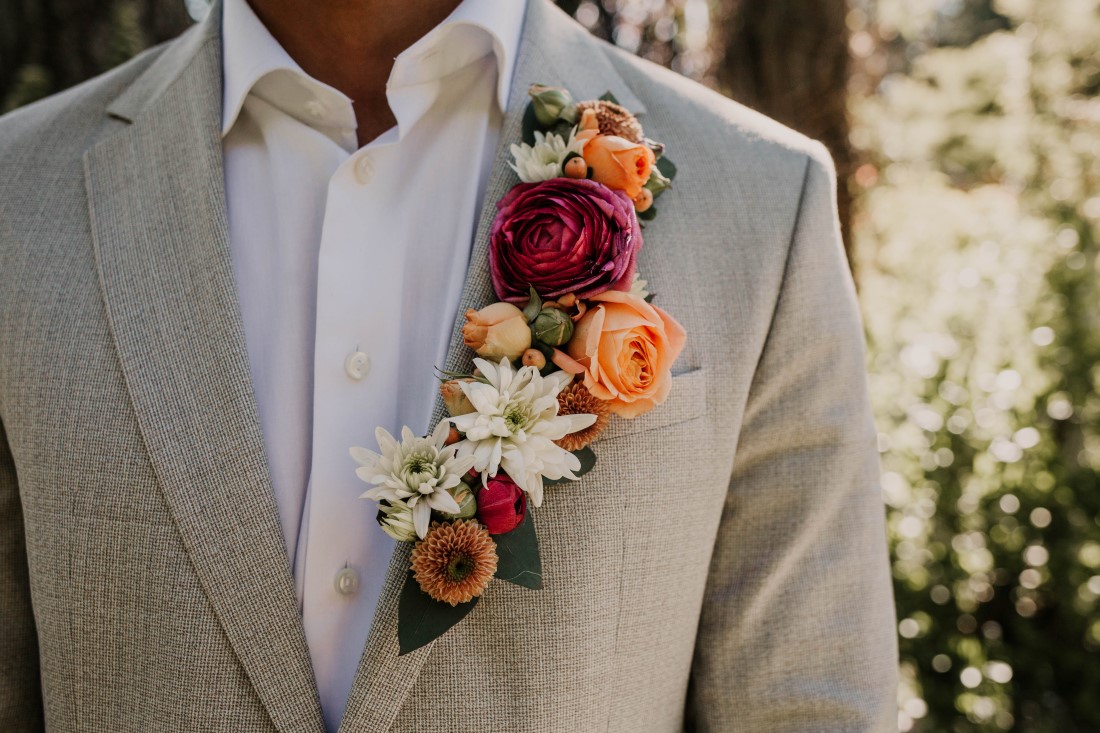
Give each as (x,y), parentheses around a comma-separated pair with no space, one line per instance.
(575,399)
(455,561)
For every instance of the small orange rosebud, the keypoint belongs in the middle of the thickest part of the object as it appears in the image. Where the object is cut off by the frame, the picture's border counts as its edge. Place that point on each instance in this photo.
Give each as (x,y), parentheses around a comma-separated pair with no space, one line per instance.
(455,399)
(576,168)
(497,331)
(535,358)
(643,200)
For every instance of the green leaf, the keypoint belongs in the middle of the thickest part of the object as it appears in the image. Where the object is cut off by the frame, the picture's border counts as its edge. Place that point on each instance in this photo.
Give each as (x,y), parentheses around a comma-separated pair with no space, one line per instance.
(421,619)
(649,214)
(562,128)
(530,124)
(587,459)
(609,97)
(518,558)
(667,167)
(533,306)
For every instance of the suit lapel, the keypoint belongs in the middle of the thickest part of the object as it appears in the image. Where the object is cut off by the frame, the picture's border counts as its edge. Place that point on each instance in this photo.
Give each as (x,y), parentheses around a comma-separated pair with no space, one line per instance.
(155,194)
(553,50)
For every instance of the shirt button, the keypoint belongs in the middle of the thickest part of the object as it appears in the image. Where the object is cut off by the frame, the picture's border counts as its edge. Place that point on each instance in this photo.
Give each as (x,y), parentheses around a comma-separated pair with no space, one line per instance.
(357,365)
(315,109)
(364,169)
(347,582)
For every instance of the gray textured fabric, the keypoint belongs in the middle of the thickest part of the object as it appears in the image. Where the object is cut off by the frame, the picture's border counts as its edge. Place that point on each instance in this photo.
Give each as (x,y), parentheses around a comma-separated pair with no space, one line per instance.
(722,569)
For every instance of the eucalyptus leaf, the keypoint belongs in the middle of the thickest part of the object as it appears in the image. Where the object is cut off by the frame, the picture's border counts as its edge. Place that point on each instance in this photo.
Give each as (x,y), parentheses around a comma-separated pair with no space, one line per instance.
(421,619)
(667,167)
(533,306)
(518,558)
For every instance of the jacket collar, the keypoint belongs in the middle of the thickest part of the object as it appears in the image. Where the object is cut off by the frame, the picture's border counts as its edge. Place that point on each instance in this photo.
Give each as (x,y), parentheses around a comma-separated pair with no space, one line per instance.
(159,225)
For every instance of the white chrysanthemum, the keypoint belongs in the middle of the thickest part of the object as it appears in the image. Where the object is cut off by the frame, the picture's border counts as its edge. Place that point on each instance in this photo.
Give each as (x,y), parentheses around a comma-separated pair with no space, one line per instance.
(416,472)
(516,424)
(543,160)
(637,287)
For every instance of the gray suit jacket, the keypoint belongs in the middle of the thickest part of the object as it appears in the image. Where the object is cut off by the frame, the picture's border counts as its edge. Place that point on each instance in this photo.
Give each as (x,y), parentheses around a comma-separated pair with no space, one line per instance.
(722,569)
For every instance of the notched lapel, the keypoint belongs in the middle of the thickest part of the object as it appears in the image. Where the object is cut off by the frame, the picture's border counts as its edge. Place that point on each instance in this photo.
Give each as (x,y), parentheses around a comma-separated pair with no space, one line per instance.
(553,50)
(157,207)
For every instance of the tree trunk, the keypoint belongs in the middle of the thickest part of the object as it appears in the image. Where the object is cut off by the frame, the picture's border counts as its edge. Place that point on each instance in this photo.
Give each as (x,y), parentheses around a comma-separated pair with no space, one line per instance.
(789,60)
(49,45)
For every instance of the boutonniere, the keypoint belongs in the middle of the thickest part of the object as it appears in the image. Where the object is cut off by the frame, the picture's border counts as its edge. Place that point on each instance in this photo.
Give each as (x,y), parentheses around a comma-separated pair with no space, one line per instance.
(573,342)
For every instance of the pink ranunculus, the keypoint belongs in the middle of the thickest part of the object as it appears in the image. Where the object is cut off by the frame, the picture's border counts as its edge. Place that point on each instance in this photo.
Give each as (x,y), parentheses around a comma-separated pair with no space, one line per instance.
(501,505)
(563,236)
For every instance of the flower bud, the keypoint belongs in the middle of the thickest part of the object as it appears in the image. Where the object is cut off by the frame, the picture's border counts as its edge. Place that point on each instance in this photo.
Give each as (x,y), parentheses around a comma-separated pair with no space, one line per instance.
(497,331)
(552,104)
(535,358)
(467,505)
(553,327)
(396,520)
(501,504)
(643,200)
(455,399)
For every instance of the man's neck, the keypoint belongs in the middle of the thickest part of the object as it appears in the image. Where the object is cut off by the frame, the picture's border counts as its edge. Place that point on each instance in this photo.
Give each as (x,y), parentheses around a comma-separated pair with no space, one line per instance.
(351,45)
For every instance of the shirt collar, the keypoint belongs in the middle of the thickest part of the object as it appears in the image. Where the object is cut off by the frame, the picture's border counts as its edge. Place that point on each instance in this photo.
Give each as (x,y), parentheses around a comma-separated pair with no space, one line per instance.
(250,52)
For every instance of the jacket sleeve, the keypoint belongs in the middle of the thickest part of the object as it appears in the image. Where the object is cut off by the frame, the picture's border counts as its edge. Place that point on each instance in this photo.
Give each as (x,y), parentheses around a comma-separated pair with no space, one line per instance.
(20,692)
(797,627)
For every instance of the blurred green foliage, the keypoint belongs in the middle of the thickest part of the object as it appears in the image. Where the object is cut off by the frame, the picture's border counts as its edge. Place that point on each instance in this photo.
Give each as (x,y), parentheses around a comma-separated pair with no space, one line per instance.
(977,237)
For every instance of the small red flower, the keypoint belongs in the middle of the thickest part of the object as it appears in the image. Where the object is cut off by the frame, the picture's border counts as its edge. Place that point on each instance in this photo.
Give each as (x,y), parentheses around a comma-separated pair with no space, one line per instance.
(501,505)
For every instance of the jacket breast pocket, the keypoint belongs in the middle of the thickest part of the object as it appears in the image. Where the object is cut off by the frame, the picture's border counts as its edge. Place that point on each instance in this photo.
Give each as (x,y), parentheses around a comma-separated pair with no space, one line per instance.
(686,401)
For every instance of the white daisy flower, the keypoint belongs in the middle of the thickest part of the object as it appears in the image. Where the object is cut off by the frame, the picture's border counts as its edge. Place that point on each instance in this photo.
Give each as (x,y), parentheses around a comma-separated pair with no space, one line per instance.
(416,472)
(515,425)
(543,160)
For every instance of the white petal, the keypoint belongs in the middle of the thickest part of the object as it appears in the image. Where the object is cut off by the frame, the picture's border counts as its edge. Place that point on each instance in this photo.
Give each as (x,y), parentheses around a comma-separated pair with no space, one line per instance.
(422,514)
(363,456)
(439,435)
(441,501)
(534,490)
(385,441)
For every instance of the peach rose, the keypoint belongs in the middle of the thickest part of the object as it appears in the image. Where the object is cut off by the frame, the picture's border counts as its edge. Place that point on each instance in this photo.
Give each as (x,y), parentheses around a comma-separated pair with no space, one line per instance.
(625,348)
(618,163)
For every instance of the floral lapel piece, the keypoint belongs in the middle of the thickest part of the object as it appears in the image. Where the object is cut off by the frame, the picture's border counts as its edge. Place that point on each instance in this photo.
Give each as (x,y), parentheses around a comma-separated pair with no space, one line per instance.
(573,342)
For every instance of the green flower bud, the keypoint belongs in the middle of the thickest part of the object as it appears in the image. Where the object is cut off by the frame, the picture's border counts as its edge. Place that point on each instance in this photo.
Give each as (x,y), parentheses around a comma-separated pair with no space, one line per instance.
(467,505)
(552,104)
(657,182)
(552,327)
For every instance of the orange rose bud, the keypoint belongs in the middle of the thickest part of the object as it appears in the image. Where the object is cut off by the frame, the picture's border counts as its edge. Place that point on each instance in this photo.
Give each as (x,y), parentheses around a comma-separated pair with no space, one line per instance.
(497,331)
(535,358)
(618,163)
(455,399)
(643,200)
(576,168)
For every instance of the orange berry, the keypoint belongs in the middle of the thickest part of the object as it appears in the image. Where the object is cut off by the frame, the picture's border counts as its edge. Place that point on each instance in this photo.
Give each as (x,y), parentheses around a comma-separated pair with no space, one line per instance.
(643,200)
(576,168)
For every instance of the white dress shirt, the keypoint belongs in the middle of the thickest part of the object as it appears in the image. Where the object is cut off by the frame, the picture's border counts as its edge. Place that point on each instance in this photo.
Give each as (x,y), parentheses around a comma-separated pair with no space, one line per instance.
(349,266)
